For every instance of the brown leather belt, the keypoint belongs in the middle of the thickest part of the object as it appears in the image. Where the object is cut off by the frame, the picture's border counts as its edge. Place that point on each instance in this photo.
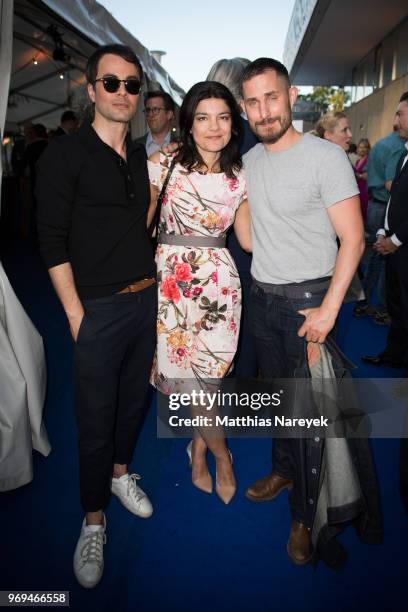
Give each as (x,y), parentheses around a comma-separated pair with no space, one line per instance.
(138,285)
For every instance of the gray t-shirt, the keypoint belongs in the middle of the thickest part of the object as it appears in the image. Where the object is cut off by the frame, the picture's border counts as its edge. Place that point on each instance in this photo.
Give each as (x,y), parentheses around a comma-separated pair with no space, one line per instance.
(288,193)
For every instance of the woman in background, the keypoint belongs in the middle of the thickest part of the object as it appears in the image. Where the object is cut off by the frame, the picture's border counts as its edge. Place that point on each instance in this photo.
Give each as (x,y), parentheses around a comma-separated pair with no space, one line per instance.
(334,127)
(360,168)
(229,72)
(352,153)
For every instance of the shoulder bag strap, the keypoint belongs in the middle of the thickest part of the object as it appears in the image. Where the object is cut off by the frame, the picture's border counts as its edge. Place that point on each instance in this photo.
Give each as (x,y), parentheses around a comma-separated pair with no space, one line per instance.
(155,224)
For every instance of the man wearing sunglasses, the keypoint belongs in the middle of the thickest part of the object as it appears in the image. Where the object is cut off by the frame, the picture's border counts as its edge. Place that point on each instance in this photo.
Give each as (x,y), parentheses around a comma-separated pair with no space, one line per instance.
(93,193)
(159,110)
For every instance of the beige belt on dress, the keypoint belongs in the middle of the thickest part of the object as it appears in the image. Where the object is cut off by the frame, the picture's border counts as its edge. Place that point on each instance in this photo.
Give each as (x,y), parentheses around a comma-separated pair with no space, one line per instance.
(206,242)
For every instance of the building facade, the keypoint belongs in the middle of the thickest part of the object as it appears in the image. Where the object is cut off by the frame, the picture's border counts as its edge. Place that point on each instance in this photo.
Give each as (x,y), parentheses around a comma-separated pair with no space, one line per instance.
(361,45)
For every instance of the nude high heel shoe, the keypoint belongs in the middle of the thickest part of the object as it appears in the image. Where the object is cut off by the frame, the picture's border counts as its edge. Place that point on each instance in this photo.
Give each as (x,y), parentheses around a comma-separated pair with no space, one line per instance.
(204,483)
(225,491)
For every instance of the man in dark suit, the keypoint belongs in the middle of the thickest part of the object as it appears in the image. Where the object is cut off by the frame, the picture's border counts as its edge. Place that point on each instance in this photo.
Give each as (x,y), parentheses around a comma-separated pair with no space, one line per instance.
(392,241)
(159,110)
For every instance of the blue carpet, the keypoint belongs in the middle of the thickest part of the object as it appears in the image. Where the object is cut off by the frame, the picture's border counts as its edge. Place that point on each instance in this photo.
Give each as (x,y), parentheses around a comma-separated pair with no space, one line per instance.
(194,553)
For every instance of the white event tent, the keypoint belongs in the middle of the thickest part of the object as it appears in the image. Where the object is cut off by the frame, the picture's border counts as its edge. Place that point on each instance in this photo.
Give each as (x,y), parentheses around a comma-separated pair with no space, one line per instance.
(51,41)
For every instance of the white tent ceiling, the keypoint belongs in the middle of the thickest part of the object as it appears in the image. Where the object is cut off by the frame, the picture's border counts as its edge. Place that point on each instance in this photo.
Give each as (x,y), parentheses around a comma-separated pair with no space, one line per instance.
(41,86)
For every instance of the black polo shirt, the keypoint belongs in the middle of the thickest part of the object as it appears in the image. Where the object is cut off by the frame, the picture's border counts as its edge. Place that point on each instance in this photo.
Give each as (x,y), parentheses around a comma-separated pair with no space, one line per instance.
(92,209)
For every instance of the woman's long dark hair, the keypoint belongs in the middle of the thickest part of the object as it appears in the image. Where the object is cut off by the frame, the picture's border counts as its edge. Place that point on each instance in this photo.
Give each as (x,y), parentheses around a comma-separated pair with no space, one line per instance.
(188,156)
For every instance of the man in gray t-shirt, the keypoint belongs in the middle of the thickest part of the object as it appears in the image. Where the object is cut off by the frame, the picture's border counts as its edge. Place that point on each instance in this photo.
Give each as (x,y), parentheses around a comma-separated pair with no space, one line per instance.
(302,194)
(291,193)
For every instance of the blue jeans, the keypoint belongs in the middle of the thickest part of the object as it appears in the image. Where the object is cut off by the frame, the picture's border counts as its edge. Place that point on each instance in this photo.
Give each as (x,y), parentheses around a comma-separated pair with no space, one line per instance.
(375,271)
(276,322)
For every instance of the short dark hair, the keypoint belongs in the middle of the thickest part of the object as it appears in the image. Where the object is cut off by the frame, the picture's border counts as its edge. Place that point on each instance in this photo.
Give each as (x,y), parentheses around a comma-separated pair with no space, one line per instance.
(68,115)
(404,97)
(40,130)
(188,156)
(261,65)
(167,99)
(123,51)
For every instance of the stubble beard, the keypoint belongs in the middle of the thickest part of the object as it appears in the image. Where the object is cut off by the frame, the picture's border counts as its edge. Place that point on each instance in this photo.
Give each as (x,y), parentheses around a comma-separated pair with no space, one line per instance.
(285,123)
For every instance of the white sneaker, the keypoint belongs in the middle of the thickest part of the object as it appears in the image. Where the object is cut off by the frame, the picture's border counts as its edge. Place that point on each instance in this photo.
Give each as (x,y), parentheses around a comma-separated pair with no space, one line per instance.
(88,556)
(132,497)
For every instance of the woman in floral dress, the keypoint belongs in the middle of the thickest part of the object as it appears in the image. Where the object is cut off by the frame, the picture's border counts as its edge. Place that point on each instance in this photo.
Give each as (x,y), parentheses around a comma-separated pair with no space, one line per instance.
(198,283)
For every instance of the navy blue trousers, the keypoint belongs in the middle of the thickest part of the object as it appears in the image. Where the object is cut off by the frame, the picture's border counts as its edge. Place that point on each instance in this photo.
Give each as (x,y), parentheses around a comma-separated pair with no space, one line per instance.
(113,358)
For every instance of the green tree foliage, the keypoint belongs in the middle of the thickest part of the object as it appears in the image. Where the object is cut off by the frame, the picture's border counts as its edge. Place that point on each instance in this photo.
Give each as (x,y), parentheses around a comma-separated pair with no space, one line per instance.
(327,98)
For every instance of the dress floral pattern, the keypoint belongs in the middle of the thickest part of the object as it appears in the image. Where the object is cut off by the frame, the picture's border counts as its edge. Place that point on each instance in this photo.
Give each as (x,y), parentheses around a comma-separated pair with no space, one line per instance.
(199,290)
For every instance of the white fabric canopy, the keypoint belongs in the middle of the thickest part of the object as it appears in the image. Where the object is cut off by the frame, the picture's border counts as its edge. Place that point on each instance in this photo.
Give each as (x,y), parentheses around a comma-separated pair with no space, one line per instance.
(22,391)
(42,87)
(95,22)
(22,360)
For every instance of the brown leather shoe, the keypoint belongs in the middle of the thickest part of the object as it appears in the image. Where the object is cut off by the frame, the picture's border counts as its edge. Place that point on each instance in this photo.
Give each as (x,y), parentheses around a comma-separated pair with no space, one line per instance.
(267,488)
(298,545)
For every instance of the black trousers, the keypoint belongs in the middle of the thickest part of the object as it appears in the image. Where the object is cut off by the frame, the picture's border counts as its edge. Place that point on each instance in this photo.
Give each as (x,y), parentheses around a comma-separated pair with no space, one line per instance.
(397,305)
(397,340)
(113,357)
(276,322)
(404,466)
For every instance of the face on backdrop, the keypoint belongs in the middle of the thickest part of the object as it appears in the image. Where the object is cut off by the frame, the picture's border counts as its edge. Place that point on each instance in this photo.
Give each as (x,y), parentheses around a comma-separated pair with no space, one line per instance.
(211,129)
(158,118)
(401,119)
(119,106)
(341,135)
(267,102)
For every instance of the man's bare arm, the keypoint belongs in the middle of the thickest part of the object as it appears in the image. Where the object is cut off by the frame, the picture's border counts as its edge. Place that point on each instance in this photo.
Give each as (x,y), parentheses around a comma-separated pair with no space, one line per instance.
(348,224)
(63,280)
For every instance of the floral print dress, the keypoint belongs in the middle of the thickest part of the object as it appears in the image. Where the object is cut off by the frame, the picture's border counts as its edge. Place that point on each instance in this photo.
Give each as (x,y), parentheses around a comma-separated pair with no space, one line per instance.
(199,290)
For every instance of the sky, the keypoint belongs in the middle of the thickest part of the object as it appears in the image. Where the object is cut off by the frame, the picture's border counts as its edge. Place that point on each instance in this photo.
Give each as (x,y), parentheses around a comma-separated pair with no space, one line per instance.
(196,34)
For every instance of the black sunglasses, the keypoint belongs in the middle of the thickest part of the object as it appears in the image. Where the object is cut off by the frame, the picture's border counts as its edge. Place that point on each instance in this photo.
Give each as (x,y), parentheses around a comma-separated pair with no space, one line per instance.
(111,84)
